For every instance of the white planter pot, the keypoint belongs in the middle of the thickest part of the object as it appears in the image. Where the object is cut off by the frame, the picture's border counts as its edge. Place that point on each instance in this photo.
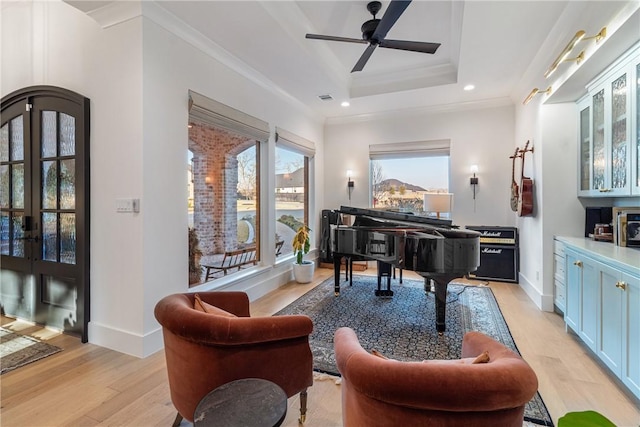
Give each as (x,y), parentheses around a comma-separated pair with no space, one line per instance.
(303,273)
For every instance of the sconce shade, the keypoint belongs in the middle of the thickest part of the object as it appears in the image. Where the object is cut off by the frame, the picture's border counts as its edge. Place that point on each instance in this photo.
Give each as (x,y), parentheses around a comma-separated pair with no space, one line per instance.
(438,202)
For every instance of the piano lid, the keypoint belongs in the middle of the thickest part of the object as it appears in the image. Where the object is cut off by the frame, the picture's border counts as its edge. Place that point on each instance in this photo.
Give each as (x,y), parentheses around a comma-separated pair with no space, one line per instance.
(396,216)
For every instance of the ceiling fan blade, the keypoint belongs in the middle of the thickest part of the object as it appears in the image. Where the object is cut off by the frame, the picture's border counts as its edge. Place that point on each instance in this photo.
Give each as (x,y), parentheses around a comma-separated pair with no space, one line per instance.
(423,47)
(335,39)
(364,58)
(391,15)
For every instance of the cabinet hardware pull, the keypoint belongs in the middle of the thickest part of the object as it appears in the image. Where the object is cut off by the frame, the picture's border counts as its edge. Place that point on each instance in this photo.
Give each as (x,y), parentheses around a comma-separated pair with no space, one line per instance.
(621,285)
(604,190)
(578,263)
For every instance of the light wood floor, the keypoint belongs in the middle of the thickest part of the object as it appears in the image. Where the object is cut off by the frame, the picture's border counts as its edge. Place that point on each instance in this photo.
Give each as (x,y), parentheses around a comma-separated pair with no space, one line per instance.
(86,385)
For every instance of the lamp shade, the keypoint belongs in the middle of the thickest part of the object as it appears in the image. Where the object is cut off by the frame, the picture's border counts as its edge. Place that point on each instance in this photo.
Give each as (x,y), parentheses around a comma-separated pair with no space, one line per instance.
(438,202)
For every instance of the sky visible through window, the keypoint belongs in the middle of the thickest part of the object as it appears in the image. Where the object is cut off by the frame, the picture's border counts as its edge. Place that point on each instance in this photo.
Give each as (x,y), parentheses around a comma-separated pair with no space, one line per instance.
(426,172)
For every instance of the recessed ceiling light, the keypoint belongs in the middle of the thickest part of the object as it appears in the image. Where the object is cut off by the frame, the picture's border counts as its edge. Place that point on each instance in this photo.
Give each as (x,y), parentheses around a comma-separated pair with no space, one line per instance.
(345,103)
(469,87)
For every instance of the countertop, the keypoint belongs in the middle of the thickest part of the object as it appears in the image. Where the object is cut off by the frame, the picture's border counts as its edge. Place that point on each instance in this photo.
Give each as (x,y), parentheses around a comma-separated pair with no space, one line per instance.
(625,258)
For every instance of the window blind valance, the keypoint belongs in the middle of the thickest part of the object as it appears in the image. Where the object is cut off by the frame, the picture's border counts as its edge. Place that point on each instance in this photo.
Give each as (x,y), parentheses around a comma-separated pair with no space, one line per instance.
(286,139)
(401,150)
(214,113)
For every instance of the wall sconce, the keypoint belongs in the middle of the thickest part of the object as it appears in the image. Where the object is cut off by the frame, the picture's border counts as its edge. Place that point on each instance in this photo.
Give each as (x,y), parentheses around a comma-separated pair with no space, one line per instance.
(580,35)
(474,179)
(535,91)
(349,183)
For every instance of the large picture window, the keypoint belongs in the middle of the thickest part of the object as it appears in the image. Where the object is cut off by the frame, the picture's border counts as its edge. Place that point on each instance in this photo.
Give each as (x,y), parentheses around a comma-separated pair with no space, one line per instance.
(293,159)
(224,190)
(401,174)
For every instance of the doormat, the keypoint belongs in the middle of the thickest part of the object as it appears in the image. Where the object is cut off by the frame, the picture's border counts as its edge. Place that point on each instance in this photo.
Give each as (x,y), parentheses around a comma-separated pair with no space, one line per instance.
(18,350)
(403,327)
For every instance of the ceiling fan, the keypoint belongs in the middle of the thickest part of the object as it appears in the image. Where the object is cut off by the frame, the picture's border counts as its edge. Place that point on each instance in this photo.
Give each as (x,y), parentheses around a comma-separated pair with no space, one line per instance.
(375,30)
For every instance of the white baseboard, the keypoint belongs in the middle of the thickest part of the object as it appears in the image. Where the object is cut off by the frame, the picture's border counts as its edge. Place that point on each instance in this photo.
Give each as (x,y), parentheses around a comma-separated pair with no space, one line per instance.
(256,283)
(125,341)
(542,301)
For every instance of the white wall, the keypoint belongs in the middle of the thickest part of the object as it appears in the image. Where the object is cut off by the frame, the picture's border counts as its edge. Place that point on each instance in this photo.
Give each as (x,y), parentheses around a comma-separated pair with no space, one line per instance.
(171,67)
(137,76)
(483,137)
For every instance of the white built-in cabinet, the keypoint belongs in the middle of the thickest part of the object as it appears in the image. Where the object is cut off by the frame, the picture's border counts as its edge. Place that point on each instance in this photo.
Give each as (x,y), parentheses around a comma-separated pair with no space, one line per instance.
(609,139)
(603,304)
(559,288)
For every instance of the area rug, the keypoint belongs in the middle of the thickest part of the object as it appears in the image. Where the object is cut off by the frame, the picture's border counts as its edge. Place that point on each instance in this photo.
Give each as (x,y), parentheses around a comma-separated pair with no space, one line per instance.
(18,350)
(403,327)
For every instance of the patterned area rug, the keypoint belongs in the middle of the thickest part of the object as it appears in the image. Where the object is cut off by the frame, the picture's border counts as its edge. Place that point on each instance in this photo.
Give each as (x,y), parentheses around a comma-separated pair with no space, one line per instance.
(403,327)
(18,350)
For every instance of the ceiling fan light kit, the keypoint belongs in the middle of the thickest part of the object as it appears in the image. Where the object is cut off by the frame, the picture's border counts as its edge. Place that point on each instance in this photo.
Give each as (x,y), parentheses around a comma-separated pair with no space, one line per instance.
(375,30)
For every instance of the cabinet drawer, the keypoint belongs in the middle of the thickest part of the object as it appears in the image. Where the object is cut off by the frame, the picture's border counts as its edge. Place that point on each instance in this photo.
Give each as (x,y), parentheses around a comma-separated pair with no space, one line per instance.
(558,265)
(559,294)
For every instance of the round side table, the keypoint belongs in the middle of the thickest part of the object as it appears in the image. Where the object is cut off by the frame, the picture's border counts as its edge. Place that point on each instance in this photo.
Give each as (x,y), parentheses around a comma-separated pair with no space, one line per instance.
(242,403)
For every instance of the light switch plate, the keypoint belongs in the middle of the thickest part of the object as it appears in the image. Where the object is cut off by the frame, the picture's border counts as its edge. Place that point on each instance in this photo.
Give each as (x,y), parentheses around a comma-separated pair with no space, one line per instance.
(127,205)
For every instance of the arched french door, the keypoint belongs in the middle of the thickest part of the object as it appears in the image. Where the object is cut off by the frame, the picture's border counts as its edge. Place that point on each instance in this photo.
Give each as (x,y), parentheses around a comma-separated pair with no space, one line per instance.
(44,208)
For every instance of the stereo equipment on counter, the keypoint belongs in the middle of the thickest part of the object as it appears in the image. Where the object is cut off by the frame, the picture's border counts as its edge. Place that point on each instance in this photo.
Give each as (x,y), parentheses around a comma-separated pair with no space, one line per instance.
(499,254)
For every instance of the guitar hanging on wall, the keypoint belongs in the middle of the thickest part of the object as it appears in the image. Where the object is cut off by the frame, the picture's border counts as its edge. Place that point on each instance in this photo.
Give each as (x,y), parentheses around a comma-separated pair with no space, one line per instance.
(515,191)
(525,198)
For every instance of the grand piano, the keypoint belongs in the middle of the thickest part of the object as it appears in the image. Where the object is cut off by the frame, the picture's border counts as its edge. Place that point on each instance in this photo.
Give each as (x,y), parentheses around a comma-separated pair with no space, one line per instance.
(433,248)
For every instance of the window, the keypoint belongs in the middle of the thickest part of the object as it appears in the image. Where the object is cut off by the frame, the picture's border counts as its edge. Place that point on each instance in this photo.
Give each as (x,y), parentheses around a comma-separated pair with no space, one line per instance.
(292,164)
(402,173)
(224,189)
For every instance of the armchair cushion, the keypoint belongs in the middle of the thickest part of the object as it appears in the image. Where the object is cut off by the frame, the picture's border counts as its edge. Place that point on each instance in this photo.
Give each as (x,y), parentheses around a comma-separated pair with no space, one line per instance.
(208,308)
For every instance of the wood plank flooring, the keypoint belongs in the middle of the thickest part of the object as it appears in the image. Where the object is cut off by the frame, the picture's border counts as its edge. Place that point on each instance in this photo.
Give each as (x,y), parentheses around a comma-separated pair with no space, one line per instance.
(87,385)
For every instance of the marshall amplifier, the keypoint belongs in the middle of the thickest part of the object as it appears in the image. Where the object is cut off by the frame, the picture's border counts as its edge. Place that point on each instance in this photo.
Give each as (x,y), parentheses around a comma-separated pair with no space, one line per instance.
(499,254)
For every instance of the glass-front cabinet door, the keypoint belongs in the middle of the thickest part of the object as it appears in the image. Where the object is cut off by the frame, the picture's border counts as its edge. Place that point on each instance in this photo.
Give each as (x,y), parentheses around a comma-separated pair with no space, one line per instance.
(635,138)
(619,182)
(584,146)
(599,164)
(608,131)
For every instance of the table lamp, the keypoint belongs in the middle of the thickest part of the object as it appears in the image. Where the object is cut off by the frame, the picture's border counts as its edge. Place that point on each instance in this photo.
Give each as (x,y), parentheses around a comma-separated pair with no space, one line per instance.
(438,202)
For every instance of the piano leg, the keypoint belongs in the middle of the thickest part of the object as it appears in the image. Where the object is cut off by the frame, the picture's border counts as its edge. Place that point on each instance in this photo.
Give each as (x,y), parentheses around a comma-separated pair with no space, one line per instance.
(441,281)
(441,305)
(337,260)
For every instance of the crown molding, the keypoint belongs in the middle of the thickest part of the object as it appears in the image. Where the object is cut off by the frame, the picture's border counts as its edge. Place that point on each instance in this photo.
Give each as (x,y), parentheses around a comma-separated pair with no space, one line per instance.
(155,12)
(115,13)
(404,79)
(422,111)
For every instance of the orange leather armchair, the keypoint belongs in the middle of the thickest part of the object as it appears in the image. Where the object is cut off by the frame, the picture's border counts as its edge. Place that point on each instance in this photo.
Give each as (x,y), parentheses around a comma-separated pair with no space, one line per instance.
(204,350)
(380,392)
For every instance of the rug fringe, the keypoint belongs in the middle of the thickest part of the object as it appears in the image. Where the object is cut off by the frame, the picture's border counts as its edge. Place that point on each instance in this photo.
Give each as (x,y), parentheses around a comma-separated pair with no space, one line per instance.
(320,376)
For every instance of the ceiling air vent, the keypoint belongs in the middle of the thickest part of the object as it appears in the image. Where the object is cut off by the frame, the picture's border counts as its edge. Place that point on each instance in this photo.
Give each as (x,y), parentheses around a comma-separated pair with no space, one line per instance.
(325,97)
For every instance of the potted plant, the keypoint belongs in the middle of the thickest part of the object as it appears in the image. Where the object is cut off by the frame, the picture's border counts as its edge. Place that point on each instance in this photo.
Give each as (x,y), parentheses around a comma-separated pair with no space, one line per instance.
(194,257)
(302,269)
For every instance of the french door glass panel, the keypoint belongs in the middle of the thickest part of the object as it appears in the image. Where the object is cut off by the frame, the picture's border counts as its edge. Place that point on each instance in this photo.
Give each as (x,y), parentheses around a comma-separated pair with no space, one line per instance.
(58,187)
